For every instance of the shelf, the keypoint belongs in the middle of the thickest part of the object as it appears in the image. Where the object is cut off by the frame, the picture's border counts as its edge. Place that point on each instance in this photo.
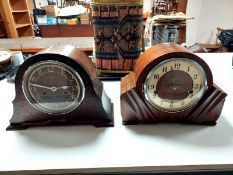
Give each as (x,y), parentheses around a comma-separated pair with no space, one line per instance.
(22,25)
(21,18)
(19,11)
(18,18)
(25,31)
(17,5)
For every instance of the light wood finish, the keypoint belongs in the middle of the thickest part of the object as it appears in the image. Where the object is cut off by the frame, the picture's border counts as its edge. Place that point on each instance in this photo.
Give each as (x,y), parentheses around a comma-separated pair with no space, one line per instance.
(16,14)
(31,5)
(32,45)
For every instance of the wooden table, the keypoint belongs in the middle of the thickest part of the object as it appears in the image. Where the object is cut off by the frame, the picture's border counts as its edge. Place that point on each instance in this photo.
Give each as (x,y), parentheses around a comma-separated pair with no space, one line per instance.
(33,45)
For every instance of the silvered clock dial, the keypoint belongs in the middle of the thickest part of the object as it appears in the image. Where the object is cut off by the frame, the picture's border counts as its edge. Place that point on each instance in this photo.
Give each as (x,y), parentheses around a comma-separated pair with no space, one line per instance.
(175,84)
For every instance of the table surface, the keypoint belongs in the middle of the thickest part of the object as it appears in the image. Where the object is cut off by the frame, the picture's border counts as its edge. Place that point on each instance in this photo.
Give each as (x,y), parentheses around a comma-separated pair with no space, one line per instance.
(144,148)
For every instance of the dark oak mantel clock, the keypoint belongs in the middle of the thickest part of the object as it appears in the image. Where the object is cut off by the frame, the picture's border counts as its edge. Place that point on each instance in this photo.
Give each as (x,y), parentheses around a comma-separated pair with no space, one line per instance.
(170,84)
(59,86)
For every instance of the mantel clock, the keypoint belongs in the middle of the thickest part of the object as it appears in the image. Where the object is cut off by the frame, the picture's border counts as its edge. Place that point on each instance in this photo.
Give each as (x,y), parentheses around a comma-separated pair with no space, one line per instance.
(170,84)
(59,86)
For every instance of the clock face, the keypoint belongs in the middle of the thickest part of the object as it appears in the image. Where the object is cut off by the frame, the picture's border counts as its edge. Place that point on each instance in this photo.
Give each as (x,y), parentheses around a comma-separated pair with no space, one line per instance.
(5,56)
(53,87)
(175,84)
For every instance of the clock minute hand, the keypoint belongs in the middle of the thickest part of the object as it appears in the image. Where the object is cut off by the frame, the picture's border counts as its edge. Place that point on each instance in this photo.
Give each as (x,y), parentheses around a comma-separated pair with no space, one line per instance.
(41,86)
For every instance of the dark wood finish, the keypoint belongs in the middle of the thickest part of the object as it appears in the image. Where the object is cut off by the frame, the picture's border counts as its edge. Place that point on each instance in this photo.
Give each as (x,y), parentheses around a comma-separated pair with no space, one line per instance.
(2,27)
(136,109)
(182,6)
(96,107)
(80,30)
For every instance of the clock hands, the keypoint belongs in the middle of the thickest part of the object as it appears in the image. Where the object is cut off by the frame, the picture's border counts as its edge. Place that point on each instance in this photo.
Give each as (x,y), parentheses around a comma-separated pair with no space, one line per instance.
(174,87)
(64,87)
(41,86)
(53,88)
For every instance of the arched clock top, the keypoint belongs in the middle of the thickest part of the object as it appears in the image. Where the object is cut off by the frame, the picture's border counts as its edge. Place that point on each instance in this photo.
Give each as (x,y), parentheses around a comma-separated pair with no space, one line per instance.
(159,53)
(170,84)
(59,85)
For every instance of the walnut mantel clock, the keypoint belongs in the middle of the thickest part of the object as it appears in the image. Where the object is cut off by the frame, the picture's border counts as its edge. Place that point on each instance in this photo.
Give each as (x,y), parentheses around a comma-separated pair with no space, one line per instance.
(170,84)
(59,86)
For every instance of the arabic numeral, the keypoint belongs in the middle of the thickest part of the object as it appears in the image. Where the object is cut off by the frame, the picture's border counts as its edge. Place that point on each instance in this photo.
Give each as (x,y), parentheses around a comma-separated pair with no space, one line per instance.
(33,89)
(33,79)
(171,105)
(196,86)
(182,103)
(154,95)
(189,68)
(39,72)
(50,68)
(177,65)
(164,69)
(156,76)
(195,76)
(152,86)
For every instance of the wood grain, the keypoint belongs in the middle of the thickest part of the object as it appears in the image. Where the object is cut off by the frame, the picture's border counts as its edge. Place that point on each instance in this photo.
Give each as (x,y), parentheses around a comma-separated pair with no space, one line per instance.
(92,109)
(136,109)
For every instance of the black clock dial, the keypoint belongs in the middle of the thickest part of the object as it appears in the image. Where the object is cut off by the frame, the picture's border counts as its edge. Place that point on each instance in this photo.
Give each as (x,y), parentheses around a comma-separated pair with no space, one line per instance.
(53,87)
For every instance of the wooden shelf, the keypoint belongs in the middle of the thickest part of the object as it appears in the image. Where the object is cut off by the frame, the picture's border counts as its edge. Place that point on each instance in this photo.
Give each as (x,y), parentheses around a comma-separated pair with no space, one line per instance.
(18,18)
(21,18)
(19,11)
(2,26)
(18,5)
(25,31)
(21,25)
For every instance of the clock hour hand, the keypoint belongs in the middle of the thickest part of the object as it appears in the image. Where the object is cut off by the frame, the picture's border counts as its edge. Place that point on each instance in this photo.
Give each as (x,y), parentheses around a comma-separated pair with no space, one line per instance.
(173,83)
(64,87)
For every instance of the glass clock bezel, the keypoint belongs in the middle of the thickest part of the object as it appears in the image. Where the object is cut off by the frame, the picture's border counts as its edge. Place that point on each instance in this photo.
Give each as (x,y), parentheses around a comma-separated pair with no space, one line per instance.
(35,104)
(151,72)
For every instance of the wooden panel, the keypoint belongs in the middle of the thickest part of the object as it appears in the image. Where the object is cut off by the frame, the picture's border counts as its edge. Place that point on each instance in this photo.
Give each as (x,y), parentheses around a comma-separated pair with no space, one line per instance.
(49,31)
(182,6)
(66,31)
(76,30)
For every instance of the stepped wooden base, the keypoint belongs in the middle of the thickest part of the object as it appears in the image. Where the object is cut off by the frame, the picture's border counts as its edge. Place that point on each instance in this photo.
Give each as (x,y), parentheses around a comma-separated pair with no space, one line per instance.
(134,110)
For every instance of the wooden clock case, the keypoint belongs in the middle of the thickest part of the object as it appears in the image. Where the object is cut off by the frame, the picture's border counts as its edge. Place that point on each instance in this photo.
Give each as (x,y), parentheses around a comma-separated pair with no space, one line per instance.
(96,107)
(136,109)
